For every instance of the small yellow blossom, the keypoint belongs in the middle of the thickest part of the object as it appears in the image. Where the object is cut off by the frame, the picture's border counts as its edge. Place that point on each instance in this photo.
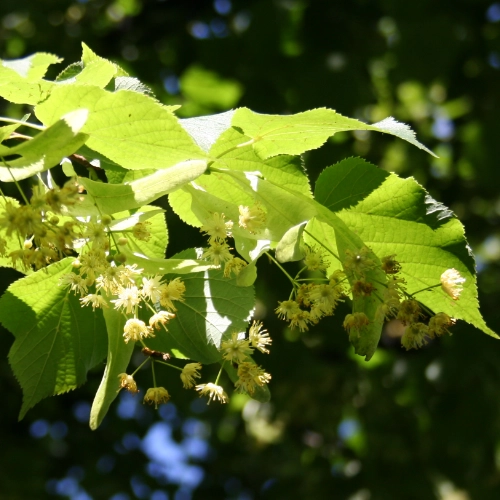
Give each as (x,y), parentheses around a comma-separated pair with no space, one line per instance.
(286,309)
(174,290)
(95,299)
(409,311)
(438,324)
(315,259)
(127,382)
(151,288)
(259,337)
(251,376)
(75,282)
(252,219)
(415,336)
(189,373)
(128,299)
(96,234)
(217,253)
(236,349)
(213,392)
(128,274)
(325,297)
(235,265)
(300,320)
(156,395)
(161,317)
(451,282)
(135,330)
(217,228)
(355,322)
(141,231)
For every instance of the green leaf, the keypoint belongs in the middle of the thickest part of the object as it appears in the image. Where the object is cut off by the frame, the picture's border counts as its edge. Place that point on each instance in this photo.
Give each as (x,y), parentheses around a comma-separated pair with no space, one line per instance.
(400,218)
(205,130)
(347,182)
(119,354)
(21,79)
(33,67)
(7,130)
(131,83)
(57,341)
(131,129)
(284,170)
(112,198)
(289,247)
(272,135)
(46,149)
(214,308)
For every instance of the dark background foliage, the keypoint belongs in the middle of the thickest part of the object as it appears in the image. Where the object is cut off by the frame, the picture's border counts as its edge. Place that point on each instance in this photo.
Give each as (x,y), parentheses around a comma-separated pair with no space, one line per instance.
(407,425)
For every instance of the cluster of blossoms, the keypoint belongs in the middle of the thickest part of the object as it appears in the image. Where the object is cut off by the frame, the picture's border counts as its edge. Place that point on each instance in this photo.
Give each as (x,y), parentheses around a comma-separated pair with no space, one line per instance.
(311,301)
(218,230)
(43,233)
(237,350)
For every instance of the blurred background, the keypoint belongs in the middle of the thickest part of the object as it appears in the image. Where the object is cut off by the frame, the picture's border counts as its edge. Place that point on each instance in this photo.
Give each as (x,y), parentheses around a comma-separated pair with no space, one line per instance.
(407,425)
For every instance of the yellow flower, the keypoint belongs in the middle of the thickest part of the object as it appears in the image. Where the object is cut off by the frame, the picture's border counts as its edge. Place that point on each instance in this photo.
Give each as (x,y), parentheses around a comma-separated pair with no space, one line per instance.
(156,395)
(189,373)
(250,376)
(135,330)
(451,282)
(75,282)
(218,253)
(95,299)
(415,336)
(315,259)
(355,322)
(174,290)
(161,317)
(324,296)
(127,299)
(300,320)
(286,309)
(235,349)
(213,392)
(151,288)
(438,324)
(409,311)
(141,231)
(127,382)
(259,337)
(217,228)
(235,265)
(252,219)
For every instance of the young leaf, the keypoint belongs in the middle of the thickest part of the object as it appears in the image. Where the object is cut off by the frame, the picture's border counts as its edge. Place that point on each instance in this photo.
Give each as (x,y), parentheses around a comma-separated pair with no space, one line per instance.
(129,128)
(46,149)
(112,198)
(119,354)
(21,79)
(57,341)
(272,135)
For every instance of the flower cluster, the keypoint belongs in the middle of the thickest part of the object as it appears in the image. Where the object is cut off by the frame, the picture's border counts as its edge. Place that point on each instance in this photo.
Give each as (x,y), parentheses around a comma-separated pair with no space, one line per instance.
(360,278)
(43,235)
(218,252)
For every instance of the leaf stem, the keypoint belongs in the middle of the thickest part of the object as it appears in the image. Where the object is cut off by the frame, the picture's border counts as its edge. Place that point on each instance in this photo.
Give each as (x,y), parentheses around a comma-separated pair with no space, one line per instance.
(21,122)
(15,181)
(140,366)
(282,268)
